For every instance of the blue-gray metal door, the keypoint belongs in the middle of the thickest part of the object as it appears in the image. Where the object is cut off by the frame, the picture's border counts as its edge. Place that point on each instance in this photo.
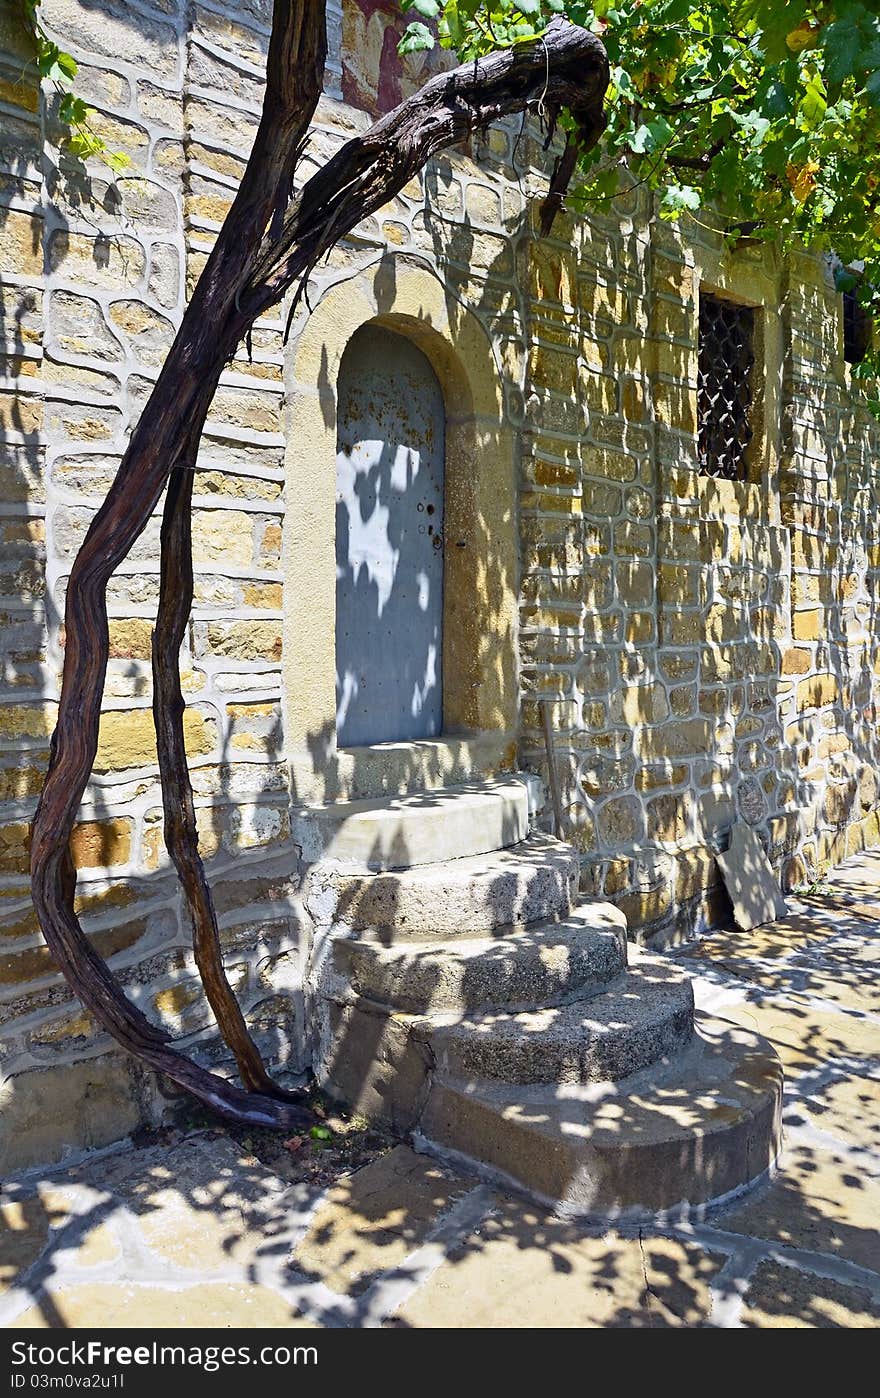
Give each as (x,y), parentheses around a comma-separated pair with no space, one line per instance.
(389,541)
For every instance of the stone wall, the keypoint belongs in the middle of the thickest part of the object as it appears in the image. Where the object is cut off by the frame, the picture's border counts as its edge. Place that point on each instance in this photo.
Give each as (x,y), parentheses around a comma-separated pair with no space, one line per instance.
(710,647)
(708,650)
(97,272)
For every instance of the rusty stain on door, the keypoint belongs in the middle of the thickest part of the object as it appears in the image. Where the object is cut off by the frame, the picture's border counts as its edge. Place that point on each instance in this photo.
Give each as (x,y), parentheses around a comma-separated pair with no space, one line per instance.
(389,541)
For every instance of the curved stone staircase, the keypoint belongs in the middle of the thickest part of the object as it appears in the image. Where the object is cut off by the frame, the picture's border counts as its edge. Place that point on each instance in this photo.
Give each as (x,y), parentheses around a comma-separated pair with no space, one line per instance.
(475,1002)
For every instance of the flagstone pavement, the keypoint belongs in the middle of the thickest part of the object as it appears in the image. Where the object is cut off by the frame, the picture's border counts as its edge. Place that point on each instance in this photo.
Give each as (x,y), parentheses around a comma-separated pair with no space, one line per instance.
(196,1231)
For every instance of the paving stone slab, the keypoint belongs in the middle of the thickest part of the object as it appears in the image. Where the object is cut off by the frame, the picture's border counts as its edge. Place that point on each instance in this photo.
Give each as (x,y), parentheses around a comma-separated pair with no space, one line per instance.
(372,1220)
(24,1231)
(859,990)
(775,941)
(858,874)
(212,1305)
(786,1298)
(806,1039)
(525,1269)
(47,1222)
(820,1202)
(848,1109)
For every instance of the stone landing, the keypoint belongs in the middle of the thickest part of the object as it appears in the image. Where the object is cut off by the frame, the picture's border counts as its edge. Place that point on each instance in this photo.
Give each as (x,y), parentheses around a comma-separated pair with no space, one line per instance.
(465,995)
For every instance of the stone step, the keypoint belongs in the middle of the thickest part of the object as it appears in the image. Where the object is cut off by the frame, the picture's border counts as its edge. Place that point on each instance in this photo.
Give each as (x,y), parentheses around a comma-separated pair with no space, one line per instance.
(541,965)
(676,1137)
(644,1015)
(467,897)
(397,832)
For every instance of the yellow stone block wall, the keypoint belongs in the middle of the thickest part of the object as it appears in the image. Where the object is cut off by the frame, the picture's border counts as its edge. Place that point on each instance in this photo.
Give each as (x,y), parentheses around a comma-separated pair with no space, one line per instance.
(708,647)
(94,283)
(708,651)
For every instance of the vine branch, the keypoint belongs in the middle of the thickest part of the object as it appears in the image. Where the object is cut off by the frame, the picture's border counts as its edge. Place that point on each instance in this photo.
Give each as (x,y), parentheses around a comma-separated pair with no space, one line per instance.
(258,257)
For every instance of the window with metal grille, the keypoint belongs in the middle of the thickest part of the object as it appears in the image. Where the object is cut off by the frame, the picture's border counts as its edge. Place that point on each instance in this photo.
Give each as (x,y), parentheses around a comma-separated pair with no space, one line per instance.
(856,329)
(724,387)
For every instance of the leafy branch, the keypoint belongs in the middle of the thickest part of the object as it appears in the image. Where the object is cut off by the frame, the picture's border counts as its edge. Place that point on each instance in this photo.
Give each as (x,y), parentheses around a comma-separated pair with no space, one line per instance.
(60,69)
(766,112)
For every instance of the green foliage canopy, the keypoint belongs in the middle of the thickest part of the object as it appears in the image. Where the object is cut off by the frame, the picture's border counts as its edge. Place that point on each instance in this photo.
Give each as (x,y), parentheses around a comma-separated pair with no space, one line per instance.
(759,117)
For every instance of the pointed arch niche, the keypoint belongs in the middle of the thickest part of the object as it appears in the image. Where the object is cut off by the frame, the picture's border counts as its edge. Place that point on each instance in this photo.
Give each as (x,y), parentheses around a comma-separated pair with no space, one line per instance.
(480,548)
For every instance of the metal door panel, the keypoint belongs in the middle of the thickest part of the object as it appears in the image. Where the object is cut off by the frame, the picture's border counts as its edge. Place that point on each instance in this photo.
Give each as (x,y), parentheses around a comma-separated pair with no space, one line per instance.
(389,541)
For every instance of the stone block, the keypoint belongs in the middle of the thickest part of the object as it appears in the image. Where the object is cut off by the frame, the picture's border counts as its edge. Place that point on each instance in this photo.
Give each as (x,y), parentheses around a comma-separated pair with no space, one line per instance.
(637,705)
(695,872)
(670,817)
(604,463)
(641,909)
(817,691)
(796,662)
(20,414)
(600,499)
(131,639)
(150,45)
(678,585)
(20,722)
(99,844)
(750,881)
(660,775)
(164,274)
(223,536)
(682,628)
(14,857)
(808,626)
(716,813)
(245,640)
(46,1113)
(21,244)
(148,333)
(115,263)
(246,408)
(633,540)
(686,738)
(126,738)
(620,821)
(600,775)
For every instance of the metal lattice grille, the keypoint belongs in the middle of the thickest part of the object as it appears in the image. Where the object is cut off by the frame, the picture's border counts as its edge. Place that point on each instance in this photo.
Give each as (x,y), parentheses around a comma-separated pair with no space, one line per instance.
(724,387)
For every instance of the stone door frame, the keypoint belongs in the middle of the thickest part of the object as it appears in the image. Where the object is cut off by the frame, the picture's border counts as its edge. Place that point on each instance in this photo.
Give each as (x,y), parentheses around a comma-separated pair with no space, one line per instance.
(480,680)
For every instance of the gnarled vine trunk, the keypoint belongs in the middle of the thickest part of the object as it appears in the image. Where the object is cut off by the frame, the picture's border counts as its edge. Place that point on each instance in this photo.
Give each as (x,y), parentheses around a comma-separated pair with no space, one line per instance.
(268,245)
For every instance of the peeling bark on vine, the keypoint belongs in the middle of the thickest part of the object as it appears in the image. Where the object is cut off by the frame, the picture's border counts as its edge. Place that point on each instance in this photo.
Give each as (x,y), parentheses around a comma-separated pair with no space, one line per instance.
(267,246)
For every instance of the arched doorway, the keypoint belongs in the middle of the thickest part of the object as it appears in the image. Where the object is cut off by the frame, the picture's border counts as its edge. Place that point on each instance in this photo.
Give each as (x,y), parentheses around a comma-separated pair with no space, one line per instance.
(390,467)
(476,648)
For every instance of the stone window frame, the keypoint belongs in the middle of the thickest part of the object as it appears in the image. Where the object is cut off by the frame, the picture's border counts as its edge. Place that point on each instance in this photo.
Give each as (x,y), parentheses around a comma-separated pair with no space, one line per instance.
(480,677)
